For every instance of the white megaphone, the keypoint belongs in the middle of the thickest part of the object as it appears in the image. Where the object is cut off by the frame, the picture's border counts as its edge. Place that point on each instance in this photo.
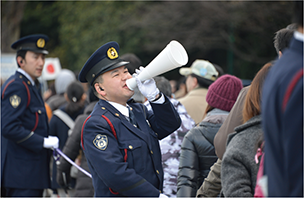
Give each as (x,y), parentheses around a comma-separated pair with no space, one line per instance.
(173,56)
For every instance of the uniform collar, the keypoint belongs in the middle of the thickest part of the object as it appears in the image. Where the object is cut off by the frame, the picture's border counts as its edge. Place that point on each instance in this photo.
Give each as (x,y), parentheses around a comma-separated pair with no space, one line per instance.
(122,109)
(26,75)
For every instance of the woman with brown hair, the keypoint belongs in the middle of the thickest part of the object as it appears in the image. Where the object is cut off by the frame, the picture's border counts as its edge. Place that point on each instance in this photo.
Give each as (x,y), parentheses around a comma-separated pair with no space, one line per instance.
(239,169)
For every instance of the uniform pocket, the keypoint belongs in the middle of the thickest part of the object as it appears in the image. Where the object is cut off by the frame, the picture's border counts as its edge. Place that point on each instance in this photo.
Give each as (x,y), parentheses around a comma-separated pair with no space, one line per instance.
(135,154)
(39,114)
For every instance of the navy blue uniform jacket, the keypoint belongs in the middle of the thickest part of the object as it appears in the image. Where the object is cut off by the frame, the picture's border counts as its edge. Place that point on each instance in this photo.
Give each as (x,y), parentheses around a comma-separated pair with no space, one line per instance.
(24,161)
(127,163)
(283,127)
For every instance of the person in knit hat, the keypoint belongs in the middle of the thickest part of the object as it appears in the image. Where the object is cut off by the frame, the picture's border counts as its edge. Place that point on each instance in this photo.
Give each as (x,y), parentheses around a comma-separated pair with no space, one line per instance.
(198,153)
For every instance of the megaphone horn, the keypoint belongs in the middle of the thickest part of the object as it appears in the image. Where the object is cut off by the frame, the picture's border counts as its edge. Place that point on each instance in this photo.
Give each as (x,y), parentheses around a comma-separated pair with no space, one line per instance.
(174,55)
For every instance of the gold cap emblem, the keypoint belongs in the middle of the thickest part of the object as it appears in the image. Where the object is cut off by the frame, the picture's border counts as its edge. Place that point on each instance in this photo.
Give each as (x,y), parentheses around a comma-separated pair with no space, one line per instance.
(41,43)
(112,53)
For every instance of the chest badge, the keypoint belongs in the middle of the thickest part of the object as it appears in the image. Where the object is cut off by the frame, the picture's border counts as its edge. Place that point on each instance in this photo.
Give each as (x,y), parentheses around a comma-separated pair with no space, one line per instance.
(101,142)
(15,101)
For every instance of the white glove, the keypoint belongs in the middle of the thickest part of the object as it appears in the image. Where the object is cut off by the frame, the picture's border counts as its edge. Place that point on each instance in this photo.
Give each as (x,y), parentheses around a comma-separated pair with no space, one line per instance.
(51,142)
(148,87)
(163,196)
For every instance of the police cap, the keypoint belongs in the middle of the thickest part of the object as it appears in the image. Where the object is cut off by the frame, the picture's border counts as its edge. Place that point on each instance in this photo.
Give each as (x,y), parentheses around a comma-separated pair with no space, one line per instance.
(35,43)
(102,60)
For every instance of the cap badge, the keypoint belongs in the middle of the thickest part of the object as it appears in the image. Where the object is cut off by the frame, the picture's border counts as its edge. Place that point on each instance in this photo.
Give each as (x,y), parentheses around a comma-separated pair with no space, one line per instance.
(203,71)
(41,43)
(15,101)
(101,142)
(112,53)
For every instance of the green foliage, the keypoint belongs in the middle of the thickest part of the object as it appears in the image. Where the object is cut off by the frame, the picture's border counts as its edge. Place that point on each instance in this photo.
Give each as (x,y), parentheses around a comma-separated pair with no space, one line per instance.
(88,25)
(236,35)
(41,18)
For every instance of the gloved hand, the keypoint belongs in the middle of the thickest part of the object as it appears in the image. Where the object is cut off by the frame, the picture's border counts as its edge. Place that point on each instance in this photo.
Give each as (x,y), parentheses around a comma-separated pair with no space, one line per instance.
(63,179)
(148,87)
(51,142)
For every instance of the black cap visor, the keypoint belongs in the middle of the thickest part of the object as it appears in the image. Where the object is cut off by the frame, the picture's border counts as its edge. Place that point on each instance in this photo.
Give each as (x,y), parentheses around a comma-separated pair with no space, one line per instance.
(31,47)
(99,68)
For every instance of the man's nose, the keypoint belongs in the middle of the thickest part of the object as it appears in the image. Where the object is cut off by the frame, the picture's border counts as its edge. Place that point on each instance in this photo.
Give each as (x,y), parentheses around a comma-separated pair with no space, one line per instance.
(41,61)
(127,76)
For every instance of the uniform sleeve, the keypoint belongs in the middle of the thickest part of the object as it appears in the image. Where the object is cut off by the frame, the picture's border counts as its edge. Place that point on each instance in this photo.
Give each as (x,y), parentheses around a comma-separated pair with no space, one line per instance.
(13,106)
(111,168)
(188,168)
(292,136)
(165,119)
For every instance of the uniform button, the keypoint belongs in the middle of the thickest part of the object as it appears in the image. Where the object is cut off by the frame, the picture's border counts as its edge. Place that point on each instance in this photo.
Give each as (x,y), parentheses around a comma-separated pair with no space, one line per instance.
(134,125)
(130,147)
(157,171)
(156,134)
(116,114)
(160,191)
(28,82)
(39,111)
(20,76)
(103,108)
(151,152)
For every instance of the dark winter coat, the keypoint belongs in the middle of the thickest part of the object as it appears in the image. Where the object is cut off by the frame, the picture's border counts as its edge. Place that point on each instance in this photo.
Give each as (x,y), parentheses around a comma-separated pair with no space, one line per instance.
(72,148)
(197,156)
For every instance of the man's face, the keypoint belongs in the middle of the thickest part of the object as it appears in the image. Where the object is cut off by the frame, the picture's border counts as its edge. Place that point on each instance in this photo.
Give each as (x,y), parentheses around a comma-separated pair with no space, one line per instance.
(33,64)
(115,87)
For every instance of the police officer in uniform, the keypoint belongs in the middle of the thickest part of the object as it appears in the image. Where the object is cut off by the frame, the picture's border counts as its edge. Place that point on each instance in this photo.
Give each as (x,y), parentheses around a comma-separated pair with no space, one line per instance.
(25,142)
(120,137)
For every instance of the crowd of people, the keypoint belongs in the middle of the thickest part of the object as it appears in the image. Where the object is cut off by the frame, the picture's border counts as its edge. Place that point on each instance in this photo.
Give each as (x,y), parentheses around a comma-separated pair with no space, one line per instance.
(204,135)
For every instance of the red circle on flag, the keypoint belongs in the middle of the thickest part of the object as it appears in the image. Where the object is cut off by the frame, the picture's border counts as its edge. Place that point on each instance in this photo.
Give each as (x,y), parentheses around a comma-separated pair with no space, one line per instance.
(50,68)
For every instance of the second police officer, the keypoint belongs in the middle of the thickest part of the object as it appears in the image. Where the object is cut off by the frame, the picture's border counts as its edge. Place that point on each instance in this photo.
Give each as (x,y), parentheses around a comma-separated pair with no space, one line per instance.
(25,141)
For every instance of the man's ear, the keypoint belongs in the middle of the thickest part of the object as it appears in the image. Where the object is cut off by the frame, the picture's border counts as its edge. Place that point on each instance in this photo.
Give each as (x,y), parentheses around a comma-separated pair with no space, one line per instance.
(195,81)
(20,61)
(99,89)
